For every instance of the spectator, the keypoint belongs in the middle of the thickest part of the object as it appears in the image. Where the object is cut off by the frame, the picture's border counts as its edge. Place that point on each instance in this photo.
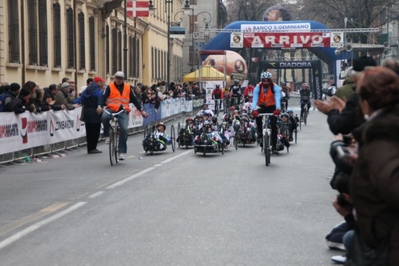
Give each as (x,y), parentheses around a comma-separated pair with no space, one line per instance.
(374,182)
(8,97)
(153,97)
(38,102)
(49,96)
(88,82)
(348,88)
(65,80)
(4,87)
(92,119)
(22,102)
(62,98)
(72,90)
(249,93)
(392,64)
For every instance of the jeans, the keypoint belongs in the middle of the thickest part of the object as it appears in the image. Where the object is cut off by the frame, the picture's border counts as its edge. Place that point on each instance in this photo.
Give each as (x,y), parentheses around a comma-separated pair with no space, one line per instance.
(123,120)
(303,105)
(347,239)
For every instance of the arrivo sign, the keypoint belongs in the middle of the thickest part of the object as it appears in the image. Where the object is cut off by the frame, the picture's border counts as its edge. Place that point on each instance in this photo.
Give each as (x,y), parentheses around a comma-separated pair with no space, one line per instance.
(286,39)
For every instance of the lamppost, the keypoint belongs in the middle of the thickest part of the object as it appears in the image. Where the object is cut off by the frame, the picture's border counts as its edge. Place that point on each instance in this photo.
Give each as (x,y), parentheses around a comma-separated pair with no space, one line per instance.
(187,9)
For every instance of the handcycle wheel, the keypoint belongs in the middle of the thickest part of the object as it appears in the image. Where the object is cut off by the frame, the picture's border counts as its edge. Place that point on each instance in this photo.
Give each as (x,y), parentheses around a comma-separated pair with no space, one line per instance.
(296,135)
(222,147)
(173,137)
(178,132)
(111,145)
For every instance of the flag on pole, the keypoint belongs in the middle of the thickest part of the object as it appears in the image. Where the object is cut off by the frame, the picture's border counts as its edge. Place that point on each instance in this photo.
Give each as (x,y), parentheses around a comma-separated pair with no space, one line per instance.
(255,59)
(137,8)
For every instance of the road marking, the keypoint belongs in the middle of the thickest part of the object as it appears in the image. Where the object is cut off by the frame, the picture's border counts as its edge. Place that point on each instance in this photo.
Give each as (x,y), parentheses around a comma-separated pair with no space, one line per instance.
(157,165)
(119,183)
(98,193)
(32,217)
(177,156)
(36,226)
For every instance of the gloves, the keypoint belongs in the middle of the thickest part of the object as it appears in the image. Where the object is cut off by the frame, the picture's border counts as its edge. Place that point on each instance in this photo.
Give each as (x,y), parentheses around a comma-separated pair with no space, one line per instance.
(255,113)
(276,112)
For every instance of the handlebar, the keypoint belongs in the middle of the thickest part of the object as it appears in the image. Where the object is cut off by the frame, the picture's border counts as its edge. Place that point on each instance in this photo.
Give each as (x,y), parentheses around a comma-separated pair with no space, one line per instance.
(114,114)
(265,114)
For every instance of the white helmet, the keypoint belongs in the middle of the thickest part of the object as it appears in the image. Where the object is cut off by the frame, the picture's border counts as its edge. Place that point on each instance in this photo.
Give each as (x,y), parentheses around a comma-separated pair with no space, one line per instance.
(265,75)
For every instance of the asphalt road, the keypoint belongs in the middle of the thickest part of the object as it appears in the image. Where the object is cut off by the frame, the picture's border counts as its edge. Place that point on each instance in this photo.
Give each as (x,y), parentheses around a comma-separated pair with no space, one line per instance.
(172,208)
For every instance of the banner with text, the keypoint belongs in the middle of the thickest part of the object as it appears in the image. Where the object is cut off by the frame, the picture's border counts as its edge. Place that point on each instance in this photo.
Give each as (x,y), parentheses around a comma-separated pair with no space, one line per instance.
(287,40)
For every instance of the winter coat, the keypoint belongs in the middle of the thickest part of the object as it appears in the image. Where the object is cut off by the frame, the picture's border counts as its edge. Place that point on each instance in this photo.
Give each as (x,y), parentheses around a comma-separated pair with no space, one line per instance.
(90,98)
(374,183)
(19,106)
(347,89)
(63,98)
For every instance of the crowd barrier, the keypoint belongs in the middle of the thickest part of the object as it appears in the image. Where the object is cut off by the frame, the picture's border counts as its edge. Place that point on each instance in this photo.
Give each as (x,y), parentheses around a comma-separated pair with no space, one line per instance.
(28,134)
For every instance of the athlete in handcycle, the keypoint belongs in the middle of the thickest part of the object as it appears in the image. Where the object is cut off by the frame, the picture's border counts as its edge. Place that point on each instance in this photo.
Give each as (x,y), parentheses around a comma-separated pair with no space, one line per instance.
(245,134)
(157,139)
(187,134)
(208,141)
(284,126)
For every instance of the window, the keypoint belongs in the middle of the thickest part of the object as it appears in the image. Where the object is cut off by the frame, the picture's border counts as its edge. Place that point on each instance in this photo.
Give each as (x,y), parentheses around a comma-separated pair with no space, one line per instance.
(70,39)
(193,22)
(152,62)
(13,31)
(159,65)
(82,51)
(114,51)
(120,51)
(32,32)
(57,35)
(131,56)
(43,47)
(193,2)
(137,59)
(191,55)
(92,44)
(107,49)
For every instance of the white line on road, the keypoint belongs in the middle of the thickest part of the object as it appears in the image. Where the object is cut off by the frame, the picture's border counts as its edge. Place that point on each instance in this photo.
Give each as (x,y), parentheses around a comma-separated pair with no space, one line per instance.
(177,156)
(36,226)
(98,193)
(119,183)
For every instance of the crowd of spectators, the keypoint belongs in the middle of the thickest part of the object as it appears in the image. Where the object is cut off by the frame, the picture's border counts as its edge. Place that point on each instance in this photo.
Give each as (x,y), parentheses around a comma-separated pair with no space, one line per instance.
(364,116)
(64,96)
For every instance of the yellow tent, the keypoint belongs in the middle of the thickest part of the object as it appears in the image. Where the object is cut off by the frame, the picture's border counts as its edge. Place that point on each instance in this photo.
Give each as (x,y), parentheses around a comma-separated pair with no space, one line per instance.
(205,73)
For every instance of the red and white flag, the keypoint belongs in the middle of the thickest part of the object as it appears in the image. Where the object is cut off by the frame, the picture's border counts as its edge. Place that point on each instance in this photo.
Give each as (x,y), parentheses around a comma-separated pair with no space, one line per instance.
(255,59)
(137,8)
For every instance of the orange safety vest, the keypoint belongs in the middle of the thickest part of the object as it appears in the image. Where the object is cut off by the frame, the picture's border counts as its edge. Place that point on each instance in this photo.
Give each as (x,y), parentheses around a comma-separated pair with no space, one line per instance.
(115,99)
(268,99)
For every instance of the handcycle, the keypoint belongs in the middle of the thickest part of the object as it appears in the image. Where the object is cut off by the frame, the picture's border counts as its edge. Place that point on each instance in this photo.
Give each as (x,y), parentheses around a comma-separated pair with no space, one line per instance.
(207,142)
(114,132)
(151,143)
(266,145)
(186,135)
(243,135)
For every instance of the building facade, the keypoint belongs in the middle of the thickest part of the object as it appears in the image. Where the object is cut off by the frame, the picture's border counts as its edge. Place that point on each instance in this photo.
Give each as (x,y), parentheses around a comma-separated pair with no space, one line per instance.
(46,40)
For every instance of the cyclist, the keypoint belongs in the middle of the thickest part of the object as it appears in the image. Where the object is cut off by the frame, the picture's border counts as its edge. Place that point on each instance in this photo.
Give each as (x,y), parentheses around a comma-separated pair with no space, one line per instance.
(285,93)
(305,97)
(235,91)
(249,92)
(267,96)
(205,109)
(117,97)
(217,96)
(294,122)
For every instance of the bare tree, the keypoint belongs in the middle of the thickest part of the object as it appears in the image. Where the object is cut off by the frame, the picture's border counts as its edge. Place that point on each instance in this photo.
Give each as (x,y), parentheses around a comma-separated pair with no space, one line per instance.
(250,10)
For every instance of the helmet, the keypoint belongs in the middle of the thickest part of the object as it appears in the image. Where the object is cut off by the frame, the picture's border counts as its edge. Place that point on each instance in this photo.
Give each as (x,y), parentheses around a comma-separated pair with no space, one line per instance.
(207,124)
(232,108)
(265,75)
(200,116)
(189,119)
(214,119)
(290,111)
(236,81)
(161,124)
(285,114)
(207,112)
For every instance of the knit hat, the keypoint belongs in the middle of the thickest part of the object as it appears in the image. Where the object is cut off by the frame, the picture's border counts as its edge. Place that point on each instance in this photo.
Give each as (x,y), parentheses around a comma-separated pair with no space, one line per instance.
(24,92)
(14,87)
(98,79)
(65,85)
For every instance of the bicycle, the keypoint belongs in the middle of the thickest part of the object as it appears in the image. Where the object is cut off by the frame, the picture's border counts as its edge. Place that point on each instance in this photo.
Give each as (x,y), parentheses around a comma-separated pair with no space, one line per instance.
(114,132)
(304,117)
(266,146)
(217,107)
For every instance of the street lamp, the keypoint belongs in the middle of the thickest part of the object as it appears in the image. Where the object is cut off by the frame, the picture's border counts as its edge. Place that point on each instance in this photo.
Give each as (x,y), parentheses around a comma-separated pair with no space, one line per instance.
(187,9)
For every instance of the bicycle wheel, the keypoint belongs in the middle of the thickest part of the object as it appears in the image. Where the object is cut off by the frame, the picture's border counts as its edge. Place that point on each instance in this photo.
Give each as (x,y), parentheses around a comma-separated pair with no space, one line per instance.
(111,146)
(116,144)
(222,147)
(266,148)
(178,133)
(305,118)
(173,137)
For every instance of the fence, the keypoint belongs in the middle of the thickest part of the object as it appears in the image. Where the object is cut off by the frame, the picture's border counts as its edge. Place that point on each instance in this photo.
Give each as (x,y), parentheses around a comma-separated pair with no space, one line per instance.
(28,134)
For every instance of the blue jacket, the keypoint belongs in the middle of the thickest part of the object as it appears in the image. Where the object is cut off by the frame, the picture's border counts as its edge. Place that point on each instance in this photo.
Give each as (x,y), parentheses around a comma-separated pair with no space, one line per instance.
(277,96)
(89,100)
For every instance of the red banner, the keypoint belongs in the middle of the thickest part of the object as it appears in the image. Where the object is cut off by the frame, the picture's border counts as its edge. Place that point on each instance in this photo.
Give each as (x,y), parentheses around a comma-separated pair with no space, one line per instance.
(286,40)
(137,9)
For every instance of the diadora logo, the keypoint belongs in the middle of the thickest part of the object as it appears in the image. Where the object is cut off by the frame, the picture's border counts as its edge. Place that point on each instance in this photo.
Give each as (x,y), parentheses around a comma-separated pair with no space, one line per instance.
(273,64)
(24,130)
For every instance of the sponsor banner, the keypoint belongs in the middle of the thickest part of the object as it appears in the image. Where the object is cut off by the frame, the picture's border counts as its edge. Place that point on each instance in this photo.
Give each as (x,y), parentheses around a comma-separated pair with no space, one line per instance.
(64,125)
(236,39)
(135,117)
(288,40)
(284,27)
(337,39)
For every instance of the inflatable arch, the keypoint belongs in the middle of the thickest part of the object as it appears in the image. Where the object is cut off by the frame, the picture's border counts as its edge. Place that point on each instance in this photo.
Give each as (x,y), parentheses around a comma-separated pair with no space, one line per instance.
(223,39)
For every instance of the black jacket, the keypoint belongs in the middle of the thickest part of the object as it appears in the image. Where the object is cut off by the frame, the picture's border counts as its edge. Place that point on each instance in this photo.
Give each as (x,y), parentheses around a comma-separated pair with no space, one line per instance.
(90,98)
(19,106)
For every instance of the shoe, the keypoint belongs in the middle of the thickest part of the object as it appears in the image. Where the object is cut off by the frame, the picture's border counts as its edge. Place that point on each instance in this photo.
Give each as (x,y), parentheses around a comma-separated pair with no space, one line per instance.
(94,151)
(106,140)
(121,156)
(340,259)
(275,152)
